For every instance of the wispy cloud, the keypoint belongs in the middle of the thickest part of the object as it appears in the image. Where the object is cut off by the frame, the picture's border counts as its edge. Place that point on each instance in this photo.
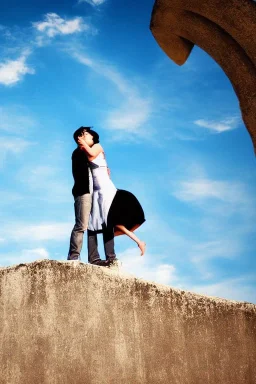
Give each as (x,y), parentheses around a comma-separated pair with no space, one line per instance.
(16,119)
(205,189)
(12,145)
(133,112)
(54,25)
(229,202)
(95,3)
(221,248)
(216,214)
(24,256)
(131,116)
(9,197)
(227,124)
(241,289)
(13,71)
(46,181)
(37,232)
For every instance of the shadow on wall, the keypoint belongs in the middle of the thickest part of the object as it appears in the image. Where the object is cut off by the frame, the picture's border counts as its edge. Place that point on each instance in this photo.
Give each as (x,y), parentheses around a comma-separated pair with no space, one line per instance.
(226,30)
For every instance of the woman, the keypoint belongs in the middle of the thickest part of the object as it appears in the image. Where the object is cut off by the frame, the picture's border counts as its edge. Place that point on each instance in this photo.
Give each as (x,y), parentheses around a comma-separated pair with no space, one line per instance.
(111,207)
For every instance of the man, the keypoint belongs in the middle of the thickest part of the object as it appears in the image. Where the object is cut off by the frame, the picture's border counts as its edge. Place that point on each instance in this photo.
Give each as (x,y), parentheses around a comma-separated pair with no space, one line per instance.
(83,201)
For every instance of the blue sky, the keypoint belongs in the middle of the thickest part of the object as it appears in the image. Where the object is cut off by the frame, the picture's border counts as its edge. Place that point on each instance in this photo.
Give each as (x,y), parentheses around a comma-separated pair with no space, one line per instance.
(172,135)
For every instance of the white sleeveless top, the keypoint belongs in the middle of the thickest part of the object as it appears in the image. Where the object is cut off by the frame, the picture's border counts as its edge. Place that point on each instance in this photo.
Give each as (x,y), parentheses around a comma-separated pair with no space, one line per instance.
(103,193)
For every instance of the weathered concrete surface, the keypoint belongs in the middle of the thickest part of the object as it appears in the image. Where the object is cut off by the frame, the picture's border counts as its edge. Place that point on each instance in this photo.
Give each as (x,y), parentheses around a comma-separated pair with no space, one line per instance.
(226,29)
(62,323)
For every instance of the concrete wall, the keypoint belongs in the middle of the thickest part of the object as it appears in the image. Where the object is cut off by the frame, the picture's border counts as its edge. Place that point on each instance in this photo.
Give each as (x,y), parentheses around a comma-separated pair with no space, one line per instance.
(81,324)
(225,29)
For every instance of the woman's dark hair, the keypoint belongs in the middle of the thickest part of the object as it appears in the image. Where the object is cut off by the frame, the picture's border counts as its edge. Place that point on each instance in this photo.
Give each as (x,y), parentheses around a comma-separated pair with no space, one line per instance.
(95,136)
(81,130)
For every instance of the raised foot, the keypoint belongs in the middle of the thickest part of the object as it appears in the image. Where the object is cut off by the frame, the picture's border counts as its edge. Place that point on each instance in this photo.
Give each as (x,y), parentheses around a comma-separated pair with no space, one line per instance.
(142,247)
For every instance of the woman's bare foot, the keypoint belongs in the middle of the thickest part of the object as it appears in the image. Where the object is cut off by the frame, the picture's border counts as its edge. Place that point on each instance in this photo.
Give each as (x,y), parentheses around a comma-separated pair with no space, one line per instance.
(142,247)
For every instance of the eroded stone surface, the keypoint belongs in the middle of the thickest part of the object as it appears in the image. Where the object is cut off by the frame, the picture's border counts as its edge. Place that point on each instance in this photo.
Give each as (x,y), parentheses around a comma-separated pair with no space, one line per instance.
(82,324)
(224,29)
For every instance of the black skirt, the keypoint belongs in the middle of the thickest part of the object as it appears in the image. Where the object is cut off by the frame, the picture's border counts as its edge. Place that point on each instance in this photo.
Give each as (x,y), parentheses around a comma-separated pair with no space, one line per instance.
(125,210)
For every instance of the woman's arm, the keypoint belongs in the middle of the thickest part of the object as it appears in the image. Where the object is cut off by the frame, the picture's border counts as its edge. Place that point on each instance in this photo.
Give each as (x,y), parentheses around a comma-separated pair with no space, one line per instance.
(91,151)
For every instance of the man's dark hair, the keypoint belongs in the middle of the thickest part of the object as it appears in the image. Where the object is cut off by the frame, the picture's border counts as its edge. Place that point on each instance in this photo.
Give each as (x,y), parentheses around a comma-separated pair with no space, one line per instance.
(79,132)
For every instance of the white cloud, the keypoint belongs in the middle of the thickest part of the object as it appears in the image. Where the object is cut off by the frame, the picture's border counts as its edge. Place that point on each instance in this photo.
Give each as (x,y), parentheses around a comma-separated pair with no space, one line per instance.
(142,267)
(147,268)
(24,256)
(132,112)
(165,273)
(37,252)
(227,124)
(54,25)
(52,231)
(12,71)
(93,2)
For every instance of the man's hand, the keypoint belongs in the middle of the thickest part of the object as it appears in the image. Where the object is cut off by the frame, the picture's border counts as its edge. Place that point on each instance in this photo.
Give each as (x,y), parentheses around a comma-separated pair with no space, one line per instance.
(81,141)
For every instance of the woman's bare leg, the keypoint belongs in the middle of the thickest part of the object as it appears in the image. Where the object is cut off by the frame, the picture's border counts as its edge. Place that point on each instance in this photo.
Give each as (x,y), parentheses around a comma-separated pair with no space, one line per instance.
(140,243)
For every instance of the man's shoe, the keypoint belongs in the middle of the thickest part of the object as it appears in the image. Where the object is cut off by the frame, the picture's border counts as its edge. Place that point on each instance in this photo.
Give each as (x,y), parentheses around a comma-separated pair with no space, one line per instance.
(115,264)
(101,263)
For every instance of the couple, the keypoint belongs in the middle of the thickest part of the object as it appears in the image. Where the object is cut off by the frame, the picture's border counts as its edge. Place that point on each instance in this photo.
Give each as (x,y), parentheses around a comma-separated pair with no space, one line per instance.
(99,206)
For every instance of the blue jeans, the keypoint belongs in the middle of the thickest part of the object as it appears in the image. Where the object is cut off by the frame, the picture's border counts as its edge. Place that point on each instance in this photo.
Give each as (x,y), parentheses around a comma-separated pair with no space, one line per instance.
(82,212)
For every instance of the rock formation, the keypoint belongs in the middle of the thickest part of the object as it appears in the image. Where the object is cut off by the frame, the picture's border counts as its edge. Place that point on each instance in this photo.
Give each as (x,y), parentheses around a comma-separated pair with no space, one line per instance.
(225,29)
